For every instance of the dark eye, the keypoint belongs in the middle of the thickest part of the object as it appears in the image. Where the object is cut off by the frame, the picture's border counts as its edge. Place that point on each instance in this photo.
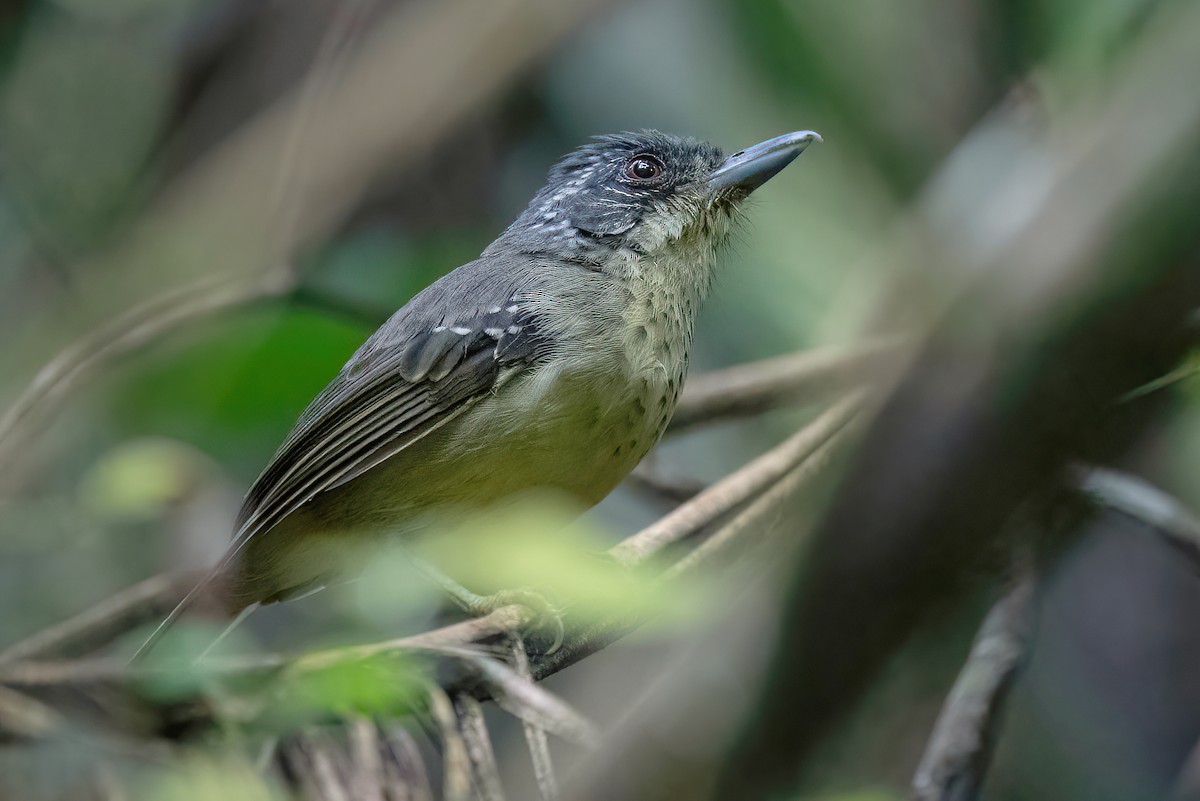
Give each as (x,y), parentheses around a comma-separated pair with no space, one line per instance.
(644,168)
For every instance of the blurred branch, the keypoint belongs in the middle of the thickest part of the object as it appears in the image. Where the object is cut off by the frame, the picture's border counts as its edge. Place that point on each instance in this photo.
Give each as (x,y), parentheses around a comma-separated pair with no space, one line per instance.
(806,376)
(1138,498)
(535,735)
(402,91)
(456,761)
(479,748)
(1187,784)
(1068,304)
(670,490)
(22,718)
(737,488)
(144,602)
(960,748)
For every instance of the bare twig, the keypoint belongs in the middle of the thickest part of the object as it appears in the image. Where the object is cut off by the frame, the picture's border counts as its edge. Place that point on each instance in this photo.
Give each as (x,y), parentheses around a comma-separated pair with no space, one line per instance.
(311,760)
(535,735)
(23,718)
(670,490)
(737,488)
(456,785)
(960,749)
(807,376)
(145,601)
(514,691)
(760,517)
(479,748)
(1138,498)
(367,779)
(407,779)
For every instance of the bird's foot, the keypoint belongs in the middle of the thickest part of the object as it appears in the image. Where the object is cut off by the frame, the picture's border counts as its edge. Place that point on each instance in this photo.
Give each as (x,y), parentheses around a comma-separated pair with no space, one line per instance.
(547,615)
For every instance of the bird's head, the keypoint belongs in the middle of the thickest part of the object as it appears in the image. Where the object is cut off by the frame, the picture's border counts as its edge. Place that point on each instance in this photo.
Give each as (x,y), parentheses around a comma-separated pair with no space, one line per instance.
(640,193)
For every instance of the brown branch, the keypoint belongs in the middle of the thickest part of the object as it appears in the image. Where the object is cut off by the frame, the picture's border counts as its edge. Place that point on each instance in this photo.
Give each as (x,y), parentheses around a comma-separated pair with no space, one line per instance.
(144,602)
(959,751)
(367,778)
(310,760)
(456,762)
(535,735)
(473,729)
(23,718)
(405,769)
(737,488)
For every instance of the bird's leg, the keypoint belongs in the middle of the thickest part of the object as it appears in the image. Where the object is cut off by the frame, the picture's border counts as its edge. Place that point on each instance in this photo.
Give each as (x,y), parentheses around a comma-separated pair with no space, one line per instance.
(546,612)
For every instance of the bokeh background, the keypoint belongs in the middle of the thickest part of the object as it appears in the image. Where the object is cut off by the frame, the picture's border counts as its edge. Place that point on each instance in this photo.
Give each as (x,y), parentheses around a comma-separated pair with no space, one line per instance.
(237,192)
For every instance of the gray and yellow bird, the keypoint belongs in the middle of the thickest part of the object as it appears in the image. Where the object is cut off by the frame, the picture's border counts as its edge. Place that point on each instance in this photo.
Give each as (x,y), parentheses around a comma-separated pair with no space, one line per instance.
(552,361)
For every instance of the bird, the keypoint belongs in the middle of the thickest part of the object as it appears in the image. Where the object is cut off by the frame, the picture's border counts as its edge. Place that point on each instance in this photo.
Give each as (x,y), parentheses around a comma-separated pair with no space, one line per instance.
(553,361)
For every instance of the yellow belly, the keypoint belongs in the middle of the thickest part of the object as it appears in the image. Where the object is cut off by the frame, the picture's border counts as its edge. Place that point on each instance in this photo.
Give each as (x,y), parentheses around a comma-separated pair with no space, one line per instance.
(576,433)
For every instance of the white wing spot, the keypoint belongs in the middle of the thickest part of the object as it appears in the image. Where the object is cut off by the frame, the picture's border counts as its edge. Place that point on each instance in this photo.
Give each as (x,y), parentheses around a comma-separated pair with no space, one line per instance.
(494,310)
(437,329)
(514,329)
(494,333)
(512,309)
(460,330)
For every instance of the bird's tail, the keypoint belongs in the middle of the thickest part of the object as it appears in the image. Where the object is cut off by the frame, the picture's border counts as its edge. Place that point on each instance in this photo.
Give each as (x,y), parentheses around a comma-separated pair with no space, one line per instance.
(208,599)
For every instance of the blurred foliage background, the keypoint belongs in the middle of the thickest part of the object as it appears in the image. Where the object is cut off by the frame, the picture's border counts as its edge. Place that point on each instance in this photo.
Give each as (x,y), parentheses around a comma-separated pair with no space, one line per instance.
(153,146)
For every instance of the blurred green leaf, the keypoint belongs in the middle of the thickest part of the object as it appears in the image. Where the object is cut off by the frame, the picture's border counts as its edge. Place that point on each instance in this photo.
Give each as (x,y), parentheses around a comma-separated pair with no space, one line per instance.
(206,778)
(538,542)
(137,479)
(384,684)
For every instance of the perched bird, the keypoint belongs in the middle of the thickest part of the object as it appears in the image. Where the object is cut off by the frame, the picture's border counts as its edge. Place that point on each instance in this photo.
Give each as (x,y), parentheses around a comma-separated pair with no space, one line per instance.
(552,361)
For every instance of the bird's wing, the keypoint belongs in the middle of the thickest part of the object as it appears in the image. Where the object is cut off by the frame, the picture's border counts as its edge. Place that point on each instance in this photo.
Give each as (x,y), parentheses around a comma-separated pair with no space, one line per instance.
(430,362)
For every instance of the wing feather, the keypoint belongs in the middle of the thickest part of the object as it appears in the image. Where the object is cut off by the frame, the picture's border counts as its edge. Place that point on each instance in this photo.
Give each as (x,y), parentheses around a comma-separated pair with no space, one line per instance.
(421,369)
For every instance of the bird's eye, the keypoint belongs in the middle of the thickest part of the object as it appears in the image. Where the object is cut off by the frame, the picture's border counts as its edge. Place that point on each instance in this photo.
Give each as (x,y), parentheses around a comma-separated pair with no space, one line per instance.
(644,168)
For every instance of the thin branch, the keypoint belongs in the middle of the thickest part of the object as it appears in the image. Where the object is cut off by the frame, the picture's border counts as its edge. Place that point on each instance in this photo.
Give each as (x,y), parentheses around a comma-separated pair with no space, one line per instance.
(309,759)
(668,490)
(479,748)
(144,602)
(749,524)
(456,785)
(736,488)
(23,718)
(807,376)
(960,749)
(367,777)
(1138,498)
(758,520)
(404,767)
(535,735)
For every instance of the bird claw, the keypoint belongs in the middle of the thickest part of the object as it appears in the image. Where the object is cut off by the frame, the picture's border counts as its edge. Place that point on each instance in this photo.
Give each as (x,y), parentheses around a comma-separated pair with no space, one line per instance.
(546,613)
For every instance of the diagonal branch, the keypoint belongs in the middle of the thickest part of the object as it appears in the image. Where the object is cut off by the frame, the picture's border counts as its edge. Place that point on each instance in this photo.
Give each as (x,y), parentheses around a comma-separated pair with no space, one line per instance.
(960,749)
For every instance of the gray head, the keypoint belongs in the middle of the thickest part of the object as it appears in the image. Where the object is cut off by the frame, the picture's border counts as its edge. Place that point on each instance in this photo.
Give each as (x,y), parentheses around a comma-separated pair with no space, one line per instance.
(638,193)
